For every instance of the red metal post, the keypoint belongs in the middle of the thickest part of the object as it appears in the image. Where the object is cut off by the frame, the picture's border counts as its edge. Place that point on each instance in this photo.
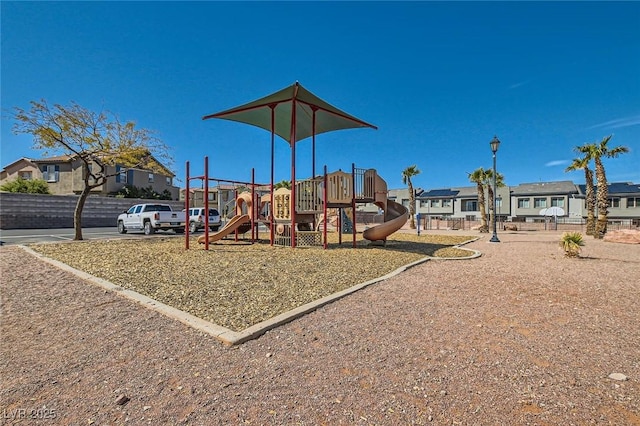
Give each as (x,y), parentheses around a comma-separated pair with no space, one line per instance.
(272,222)
(238,211)
(206,203)
(186,209)
(325,211)
(293,173)
(313,160)
(313,142)
(353,202)
(339,225)
(254,206)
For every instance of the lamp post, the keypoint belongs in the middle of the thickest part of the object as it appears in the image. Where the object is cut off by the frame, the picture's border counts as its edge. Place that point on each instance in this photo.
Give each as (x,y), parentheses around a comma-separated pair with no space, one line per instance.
(495,143)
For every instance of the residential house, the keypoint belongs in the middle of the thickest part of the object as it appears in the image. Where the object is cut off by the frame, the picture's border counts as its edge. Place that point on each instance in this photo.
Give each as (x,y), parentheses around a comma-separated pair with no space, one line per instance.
(460,202)
(528,199)
(520,203)
(65,175)
(221,197)
(437,202)
(523,202)
(23,168)
(624,201)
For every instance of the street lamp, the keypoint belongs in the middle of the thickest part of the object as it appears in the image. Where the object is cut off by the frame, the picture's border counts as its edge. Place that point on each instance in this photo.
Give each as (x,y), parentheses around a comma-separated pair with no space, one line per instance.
(495,143)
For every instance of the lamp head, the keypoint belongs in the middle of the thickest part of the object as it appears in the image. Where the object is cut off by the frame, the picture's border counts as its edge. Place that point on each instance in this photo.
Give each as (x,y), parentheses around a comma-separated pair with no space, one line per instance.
(495,143)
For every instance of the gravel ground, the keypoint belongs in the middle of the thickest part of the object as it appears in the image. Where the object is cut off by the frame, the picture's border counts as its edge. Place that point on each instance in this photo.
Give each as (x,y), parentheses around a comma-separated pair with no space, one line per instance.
(237,285)
(521,335)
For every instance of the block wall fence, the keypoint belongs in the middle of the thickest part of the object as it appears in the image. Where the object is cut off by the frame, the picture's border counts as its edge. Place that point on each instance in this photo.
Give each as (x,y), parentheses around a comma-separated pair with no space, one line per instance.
(39,211)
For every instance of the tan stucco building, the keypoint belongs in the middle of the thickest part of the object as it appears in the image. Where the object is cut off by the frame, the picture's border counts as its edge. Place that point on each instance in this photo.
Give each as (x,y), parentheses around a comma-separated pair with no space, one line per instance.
(64,175)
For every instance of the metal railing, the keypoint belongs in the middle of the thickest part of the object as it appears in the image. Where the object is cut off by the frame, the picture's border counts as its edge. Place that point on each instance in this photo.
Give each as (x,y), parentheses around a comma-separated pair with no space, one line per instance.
(364,184)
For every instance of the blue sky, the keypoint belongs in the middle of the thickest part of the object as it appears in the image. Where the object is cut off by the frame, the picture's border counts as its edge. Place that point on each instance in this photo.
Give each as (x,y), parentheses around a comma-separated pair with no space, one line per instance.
(438,79)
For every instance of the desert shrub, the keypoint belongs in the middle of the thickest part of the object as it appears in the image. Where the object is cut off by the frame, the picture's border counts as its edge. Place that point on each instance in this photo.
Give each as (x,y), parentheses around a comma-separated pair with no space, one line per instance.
(571,243)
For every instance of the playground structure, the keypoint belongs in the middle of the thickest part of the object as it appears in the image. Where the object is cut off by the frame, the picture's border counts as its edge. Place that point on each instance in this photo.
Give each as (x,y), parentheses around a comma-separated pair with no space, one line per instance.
(293,216)
(300,221)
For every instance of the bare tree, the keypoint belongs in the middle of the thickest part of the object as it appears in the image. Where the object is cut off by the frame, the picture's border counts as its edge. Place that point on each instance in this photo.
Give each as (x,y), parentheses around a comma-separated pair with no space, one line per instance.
(98,140)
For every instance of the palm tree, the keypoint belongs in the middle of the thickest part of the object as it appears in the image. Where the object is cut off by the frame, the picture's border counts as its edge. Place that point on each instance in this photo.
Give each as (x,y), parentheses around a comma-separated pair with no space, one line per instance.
(491,195)
(407,174)
(282,184)
(602,196)
(583,163)
(479,177)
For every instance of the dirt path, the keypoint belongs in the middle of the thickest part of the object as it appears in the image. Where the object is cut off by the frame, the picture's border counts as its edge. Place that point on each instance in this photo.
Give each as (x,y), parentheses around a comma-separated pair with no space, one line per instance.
(520,335)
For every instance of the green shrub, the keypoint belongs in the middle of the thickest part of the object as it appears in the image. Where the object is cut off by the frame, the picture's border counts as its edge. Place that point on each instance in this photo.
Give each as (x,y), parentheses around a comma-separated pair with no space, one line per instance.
(130,191)
(28,186)
(571,243)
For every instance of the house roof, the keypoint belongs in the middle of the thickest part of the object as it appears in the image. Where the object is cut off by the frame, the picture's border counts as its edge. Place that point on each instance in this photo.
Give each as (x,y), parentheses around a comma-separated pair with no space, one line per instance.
(439,193)
(164,168)
(541,188)
(68,158)
(466,191)
(615,188)
(164,171)
(25,159)
(57,159)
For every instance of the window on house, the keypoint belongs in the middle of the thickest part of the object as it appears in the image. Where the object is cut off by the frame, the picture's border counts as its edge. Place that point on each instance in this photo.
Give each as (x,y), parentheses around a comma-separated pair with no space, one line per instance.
(435,203)
(470,206)
(26,175)
(539,203)
(211,196)
(168,180)
(446,203)
(557,201)
(633,202)
(523,203)
(121,176)
(51,173)
(150,177)
(614,202)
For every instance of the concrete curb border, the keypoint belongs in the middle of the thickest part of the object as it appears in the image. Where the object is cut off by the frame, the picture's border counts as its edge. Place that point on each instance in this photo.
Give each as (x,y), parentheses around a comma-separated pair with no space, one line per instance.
(475,253)
(225,335)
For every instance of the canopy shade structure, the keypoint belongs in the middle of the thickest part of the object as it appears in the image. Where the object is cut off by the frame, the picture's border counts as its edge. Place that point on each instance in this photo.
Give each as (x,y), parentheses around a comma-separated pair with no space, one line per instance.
(293,114)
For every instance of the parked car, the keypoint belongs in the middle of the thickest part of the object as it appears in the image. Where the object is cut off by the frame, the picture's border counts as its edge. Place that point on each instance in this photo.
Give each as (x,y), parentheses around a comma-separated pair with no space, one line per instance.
(150,218)
(196,219)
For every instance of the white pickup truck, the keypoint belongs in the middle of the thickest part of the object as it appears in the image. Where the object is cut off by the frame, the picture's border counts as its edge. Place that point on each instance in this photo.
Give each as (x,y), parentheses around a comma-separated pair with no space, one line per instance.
(151,218)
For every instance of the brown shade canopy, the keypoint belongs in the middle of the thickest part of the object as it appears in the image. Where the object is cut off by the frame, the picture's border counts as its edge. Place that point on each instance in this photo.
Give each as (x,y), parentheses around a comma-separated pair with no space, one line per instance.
(293,114)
